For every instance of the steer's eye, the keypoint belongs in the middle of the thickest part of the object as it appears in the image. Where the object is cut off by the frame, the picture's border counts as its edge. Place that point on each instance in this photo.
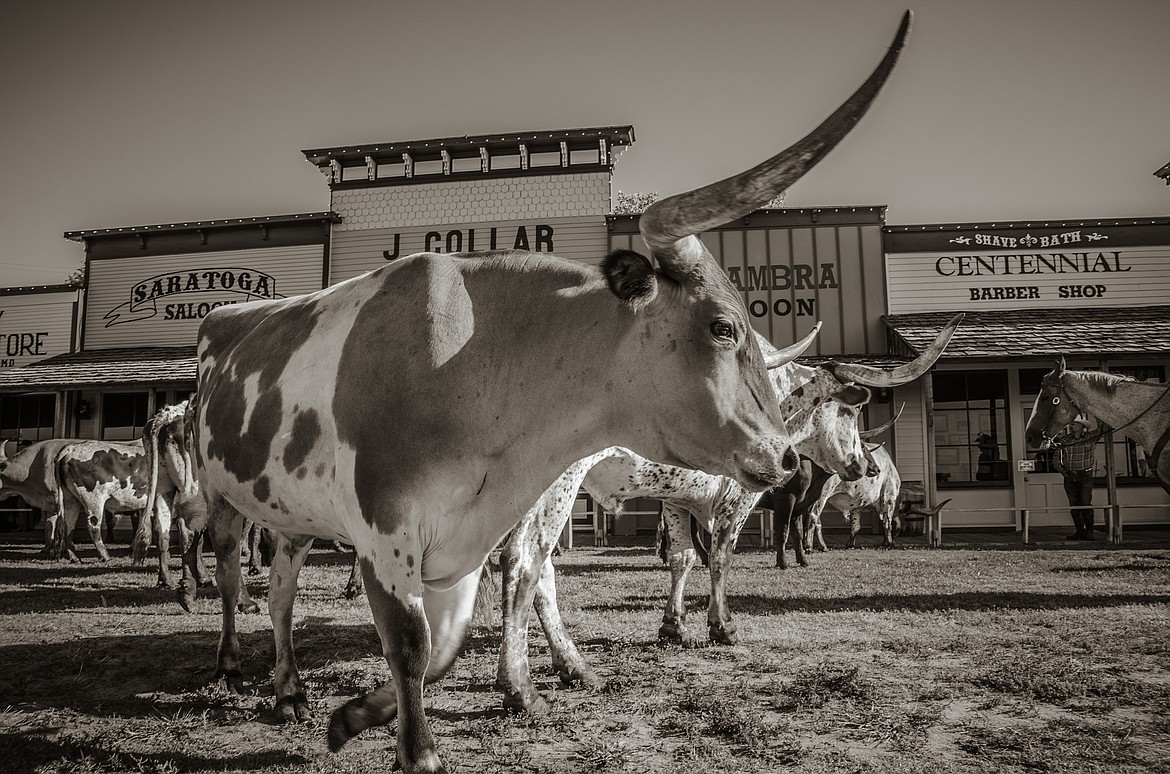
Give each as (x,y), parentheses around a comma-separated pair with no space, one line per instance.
(722,329)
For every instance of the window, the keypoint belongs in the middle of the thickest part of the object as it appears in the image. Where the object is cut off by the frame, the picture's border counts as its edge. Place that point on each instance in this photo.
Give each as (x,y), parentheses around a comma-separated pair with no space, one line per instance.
(27,417)
(123,415)
(970,428)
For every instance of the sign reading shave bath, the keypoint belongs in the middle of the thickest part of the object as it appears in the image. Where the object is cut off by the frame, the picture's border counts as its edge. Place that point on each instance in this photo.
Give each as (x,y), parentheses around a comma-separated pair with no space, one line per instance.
(160,300)
(1020,268)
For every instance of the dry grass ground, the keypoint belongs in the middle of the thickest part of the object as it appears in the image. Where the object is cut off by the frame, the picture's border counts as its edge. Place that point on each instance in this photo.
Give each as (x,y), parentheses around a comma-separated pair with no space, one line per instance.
(908,660)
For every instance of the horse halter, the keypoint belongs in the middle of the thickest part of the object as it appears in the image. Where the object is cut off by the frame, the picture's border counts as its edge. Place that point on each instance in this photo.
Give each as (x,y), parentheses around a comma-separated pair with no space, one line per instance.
(1045,438)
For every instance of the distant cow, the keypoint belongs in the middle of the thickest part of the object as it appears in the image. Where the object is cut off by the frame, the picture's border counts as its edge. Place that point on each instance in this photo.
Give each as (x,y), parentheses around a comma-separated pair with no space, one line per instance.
(879,492)
(109,476)
(31,473)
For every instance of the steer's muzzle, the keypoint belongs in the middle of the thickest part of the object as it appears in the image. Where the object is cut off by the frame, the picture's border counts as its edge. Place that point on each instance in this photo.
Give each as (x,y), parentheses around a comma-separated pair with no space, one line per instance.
(857,467)
(767,464)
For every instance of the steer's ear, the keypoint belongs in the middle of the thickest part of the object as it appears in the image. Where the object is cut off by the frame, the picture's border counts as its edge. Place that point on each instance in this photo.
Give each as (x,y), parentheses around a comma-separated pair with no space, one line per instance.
(631,277)
(853,395)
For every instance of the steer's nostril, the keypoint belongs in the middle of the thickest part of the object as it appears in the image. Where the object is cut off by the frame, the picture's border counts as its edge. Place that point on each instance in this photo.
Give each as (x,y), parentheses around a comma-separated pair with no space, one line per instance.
(790,461)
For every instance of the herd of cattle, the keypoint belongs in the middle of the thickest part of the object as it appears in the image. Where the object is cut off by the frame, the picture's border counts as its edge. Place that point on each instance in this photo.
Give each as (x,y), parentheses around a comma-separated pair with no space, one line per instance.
(419,413)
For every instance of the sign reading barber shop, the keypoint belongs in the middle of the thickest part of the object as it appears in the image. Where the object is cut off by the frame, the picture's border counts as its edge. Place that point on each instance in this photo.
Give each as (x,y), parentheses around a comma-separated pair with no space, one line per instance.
(1027,267)
(160,301)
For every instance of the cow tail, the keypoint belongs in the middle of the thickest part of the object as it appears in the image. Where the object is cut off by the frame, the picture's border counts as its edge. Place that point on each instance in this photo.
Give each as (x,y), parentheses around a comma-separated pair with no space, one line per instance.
(57,542)
(145,530)
(697,542)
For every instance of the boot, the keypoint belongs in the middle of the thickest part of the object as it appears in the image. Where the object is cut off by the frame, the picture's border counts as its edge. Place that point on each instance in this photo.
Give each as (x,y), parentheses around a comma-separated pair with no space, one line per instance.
(1087,534)
(1079,523)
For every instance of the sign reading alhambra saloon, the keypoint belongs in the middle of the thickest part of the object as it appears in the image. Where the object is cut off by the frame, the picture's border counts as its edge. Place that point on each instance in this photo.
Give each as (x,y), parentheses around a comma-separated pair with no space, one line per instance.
(160,300)
(1019,266)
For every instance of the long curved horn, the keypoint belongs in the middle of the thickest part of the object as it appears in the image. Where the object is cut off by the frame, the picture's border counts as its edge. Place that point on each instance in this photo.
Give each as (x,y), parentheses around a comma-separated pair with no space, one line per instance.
(866,434)
(881,377)
(781,357)
(668,226)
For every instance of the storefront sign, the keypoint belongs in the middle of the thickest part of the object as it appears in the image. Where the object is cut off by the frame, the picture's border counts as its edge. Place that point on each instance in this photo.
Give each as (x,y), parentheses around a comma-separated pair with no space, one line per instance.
(35,326)
(537,238)
(139,301)
(145,295)
(1010,266)
(357,251)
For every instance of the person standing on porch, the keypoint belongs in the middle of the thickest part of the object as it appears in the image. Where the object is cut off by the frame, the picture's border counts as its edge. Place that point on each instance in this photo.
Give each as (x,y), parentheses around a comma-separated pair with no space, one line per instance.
(1074,458)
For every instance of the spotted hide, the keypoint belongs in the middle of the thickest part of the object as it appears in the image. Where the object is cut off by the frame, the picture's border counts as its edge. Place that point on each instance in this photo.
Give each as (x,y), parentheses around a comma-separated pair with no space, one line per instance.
(825,427)
(879,492)
(31,473)
(105,476)
(822,412)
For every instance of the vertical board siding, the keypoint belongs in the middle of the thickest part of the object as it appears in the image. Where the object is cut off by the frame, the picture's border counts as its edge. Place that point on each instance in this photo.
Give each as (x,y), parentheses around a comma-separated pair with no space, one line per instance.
(909,432)
(35,326)
(785,302)
(113,319)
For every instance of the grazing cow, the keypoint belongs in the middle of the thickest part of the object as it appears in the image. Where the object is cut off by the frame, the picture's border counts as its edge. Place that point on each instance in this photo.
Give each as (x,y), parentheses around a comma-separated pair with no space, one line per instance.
(1138,410)
(31,473)
(110,476)
(361,413)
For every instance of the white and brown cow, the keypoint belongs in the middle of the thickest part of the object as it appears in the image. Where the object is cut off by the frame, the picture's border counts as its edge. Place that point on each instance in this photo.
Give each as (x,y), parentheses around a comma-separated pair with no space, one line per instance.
(418,411)
(109,476)
(31,473)
(170,469)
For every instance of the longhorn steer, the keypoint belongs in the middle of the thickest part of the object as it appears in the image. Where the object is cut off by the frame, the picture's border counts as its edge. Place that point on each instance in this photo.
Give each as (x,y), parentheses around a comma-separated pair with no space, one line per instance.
(529,576)
(362,413)
(31,473)
(879,492)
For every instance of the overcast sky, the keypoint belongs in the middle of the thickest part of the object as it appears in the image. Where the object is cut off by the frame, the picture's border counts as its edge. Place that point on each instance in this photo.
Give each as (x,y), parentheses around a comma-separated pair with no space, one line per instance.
(133,113)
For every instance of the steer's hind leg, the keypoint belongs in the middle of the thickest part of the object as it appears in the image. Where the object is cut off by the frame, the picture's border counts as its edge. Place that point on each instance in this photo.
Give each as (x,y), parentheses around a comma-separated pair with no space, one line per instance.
(567,660)
(225,526)
(291,702)
(162,513)
(683,557)
(420,641)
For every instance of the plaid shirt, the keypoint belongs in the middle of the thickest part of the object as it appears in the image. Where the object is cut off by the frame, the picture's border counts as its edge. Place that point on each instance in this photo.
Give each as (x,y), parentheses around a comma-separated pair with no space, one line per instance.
(1075,456)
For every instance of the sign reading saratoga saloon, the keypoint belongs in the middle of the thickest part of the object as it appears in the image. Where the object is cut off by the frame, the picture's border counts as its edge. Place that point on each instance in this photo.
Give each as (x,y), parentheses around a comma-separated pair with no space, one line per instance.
(160,300)
(1009,266)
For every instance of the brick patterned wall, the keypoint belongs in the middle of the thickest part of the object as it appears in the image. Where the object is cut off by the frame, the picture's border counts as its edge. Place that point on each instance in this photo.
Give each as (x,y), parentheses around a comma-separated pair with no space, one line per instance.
(537,197)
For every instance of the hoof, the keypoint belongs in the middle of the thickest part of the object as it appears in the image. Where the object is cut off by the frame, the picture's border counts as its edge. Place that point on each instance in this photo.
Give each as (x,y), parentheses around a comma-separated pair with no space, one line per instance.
(293,709)
(248,607)
(802,562)
(670,632)
(529,702)
(579,677)
(185,597)
(234,683)
(165,583)
(721,634)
